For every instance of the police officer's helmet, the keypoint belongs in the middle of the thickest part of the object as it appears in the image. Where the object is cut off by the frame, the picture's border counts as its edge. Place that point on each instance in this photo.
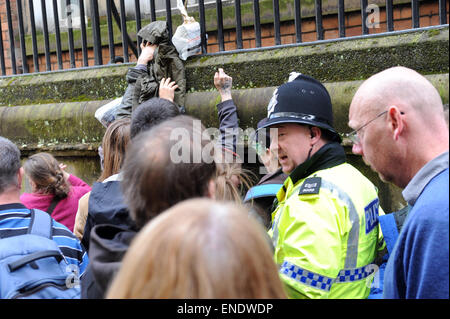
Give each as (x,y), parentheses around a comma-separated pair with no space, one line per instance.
(302,100)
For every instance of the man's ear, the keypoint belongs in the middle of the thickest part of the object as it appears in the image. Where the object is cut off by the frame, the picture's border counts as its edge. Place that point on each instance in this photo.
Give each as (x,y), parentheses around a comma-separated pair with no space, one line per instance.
(396,121)
(316,134)
(20,175)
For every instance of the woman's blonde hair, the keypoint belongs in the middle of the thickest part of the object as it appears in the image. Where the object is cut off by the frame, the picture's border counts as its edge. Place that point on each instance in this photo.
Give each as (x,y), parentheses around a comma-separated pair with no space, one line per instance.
(114,144)
(199,248)
(228,175)
(43,169)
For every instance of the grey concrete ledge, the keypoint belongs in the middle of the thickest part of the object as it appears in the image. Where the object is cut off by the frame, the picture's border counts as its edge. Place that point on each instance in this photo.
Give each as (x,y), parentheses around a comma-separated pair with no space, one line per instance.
(252,103)
(56,126)
(425,50)
(72,127)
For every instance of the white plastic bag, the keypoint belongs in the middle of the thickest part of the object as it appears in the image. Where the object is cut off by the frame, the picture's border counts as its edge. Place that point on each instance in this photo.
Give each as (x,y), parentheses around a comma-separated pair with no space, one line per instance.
(187,39)
(106,113)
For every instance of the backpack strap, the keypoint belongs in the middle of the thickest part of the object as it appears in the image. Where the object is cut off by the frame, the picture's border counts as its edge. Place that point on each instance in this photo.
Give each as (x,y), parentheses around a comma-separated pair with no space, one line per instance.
(400,217)
(55,201)
(389,229)
(41,224)
(391,225)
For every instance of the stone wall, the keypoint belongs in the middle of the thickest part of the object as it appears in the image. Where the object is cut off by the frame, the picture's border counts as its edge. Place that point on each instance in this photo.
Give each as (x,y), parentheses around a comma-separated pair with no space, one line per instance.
(54,111)
(428,16)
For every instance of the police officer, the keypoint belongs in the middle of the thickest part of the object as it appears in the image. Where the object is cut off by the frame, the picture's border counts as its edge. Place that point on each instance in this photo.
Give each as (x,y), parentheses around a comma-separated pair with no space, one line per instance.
(325,222)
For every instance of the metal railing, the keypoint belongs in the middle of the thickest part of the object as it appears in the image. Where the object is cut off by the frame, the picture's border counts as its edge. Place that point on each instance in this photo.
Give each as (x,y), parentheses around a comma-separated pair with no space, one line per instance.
(14,56)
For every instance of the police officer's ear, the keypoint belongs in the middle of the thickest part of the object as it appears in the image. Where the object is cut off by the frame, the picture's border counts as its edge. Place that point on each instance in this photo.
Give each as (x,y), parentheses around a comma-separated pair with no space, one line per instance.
(315,132)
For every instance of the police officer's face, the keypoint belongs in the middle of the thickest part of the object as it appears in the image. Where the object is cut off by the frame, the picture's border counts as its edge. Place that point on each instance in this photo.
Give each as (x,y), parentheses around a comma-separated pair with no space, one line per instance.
(292,143)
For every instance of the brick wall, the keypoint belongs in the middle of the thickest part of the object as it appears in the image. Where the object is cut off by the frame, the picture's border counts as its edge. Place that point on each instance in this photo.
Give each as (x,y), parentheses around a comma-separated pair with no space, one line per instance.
(428,11)
(429,16)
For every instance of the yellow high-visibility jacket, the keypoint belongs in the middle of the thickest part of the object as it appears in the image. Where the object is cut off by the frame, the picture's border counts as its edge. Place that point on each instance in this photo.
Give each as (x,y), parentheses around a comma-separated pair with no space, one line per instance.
(325,228)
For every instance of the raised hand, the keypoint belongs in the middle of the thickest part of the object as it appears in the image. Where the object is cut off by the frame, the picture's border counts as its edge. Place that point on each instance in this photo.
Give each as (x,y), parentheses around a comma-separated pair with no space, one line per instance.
(223,83)
(147,53)
(63,167)
(167,89)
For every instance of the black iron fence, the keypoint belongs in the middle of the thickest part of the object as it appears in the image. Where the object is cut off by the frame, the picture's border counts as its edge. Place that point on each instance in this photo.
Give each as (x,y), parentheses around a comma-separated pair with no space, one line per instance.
(19,54)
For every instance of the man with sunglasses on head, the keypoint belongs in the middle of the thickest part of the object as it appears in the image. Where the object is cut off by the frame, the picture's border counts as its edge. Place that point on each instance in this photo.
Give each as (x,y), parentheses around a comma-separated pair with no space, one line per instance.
(401,132)
(325,222)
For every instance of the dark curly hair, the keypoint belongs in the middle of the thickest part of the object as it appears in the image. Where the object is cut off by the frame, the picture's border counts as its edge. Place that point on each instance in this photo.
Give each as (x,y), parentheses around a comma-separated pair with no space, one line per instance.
(151,113)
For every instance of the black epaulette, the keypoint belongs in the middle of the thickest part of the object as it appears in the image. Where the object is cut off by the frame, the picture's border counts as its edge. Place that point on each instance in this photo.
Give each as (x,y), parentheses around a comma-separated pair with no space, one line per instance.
(310,186)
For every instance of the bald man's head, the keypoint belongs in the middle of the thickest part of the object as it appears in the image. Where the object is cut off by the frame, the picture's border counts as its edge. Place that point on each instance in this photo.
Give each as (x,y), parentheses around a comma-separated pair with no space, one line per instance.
(402,87)
(399,118)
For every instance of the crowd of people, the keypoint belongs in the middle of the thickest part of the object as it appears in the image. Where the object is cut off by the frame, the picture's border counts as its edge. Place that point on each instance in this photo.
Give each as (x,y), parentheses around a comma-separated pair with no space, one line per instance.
(312,227)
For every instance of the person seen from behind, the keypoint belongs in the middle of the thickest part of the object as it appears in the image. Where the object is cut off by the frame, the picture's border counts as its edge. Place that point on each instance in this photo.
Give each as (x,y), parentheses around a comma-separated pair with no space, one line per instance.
(158,64)
(114,145)
(232,179)
(53,189)
(153,179)
(262,195)
(200,249)
(29,248)
(106,205)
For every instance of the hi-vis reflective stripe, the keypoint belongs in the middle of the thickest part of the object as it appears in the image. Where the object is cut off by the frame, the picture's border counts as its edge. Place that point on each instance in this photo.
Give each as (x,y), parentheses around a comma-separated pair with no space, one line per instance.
(322,282)
(353,236)
(349,275)
(277,219)
(306,277)
(275,230)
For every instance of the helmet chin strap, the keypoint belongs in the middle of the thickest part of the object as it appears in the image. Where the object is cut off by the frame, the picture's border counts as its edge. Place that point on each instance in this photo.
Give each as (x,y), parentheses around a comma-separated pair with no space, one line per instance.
(310,150)
(309,153)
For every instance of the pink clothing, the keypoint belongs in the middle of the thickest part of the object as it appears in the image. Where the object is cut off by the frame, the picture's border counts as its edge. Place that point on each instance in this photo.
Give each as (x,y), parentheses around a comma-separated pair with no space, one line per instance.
(66,210)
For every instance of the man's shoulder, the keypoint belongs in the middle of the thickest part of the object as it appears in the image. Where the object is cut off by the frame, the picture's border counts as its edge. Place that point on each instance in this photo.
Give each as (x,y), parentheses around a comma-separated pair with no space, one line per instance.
(438,183)
(14,220)
(344,177)
(17,222)
(20,218)
(106,196)
(435,194)
(107,188)
(431,210)
(62,230)
(350,170)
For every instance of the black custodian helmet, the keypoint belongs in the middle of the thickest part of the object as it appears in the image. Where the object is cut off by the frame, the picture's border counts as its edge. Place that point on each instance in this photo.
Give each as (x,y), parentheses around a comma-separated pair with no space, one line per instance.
(303,100)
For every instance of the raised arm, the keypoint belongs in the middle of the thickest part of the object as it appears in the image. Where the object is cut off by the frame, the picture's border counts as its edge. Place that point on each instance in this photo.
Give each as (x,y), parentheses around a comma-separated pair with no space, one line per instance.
(227,111)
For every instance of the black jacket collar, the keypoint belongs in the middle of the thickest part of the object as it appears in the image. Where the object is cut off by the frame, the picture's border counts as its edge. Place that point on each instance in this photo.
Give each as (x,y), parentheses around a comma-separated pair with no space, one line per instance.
(330,155)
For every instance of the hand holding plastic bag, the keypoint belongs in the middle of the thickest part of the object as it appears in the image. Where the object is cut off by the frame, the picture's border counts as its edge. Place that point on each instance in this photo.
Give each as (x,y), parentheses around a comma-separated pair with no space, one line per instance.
(187,39)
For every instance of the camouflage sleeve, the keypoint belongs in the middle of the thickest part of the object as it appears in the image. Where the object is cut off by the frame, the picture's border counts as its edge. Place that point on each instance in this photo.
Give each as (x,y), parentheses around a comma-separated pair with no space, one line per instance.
(125,107)
(177,74)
